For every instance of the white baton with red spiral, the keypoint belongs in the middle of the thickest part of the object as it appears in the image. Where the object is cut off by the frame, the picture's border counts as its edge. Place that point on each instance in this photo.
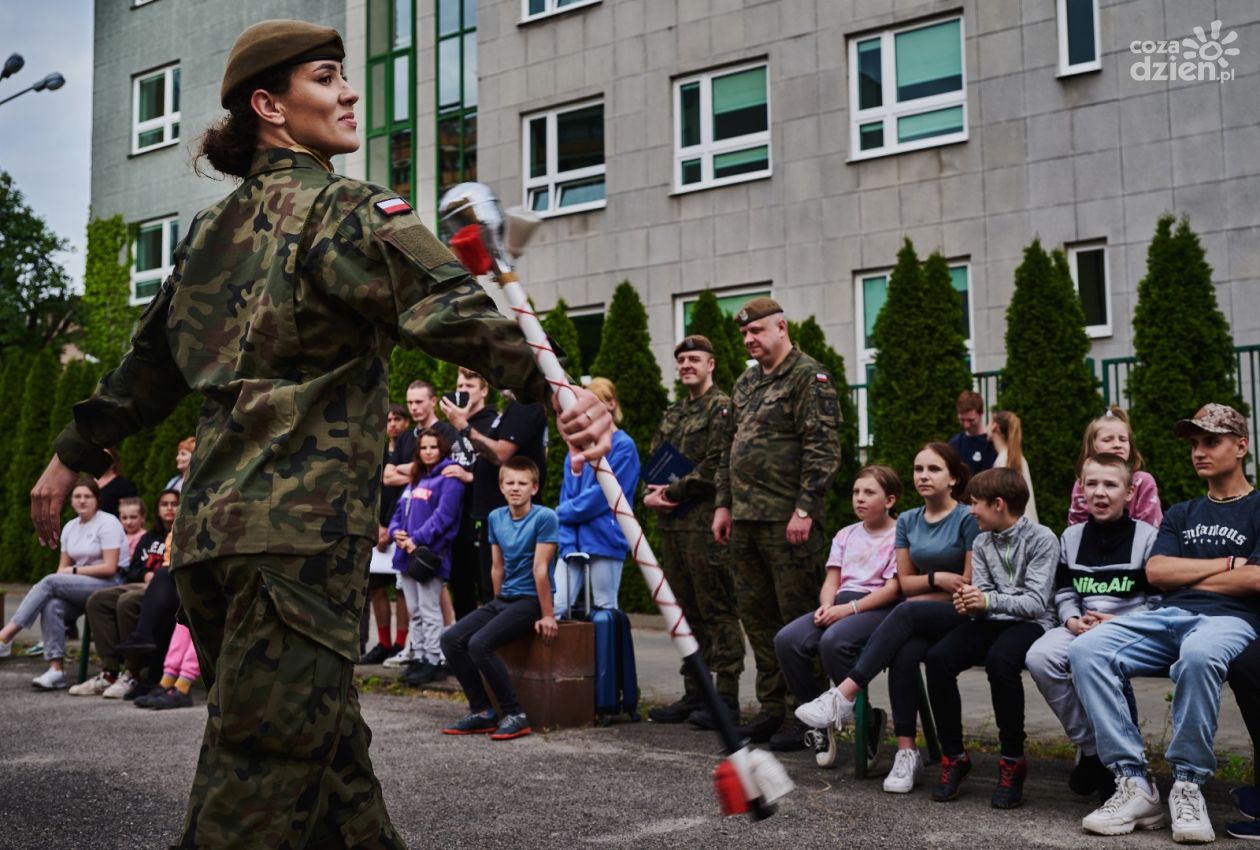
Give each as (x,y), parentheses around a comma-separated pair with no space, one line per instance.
(485,240)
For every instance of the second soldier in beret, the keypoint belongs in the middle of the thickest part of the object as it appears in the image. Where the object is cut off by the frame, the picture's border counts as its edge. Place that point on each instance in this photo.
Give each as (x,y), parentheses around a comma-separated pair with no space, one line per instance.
(285,302)
(782,453)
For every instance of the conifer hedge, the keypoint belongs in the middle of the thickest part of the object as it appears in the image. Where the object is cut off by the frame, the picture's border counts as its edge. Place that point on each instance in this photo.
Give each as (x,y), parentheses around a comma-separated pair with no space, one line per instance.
(21,556)
(1047,382)
(1185,355)
(563,333)
(708,320)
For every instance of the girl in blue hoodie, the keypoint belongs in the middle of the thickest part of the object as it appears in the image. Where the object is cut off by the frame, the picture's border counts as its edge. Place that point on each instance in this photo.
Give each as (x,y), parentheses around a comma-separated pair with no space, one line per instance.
(587,524)
(428,514)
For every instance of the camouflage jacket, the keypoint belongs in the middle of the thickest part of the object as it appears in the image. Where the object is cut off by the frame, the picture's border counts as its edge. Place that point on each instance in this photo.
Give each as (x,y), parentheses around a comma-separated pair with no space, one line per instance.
(697,429)
(784,442)
(285,302)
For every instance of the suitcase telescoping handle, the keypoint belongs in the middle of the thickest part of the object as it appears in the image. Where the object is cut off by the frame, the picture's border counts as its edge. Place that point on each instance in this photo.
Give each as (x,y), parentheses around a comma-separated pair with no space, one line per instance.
(748,780)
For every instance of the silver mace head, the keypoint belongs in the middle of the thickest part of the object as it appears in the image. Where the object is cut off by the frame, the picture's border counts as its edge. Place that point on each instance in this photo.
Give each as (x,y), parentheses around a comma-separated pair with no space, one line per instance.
(504,235)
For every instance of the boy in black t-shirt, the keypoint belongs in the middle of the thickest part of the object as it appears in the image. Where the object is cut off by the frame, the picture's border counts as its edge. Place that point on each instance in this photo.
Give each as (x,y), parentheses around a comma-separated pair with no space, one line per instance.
(1208,616)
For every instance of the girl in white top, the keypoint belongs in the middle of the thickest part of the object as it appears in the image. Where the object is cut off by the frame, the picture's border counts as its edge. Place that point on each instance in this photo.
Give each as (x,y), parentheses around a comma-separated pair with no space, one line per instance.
(93,549)
(860,589)
(1007,435)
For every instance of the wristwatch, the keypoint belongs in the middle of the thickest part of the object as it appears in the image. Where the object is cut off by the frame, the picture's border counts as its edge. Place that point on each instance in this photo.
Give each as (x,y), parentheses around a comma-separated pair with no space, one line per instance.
(802,513)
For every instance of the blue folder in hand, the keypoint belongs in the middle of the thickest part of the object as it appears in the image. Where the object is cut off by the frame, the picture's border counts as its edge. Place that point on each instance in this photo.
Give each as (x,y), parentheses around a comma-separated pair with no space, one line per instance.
(666,466)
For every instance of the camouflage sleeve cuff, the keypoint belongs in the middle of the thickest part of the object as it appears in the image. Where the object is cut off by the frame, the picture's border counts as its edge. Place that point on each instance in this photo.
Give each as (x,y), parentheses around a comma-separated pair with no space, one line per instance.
(79,454)
(812,505)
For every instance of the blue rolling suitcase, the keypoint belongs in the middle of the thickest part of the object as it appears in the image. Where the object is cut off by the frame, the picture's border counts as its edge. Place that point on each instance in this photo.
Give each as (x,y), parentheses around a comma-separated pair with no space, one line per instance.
(616,678)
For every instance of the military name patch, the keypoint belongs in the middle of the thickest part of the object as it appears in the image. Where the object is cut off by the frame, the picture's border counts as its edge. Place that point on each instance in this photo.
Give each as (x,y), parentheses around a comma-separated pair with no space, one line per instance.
(393,206)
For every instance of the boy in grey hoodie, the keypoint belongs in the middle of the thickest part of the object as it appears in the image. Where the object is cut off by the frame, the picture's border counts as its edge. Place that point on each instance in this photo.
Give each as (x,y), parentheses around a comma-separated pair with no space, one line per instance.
(1013,564)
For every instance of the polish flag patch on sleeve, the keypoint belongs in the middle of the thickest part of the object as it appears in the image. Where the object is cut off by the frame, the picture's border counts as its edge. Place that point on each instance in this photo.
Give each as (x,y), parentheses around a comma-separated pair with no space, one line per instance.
(393,206)
(821,377)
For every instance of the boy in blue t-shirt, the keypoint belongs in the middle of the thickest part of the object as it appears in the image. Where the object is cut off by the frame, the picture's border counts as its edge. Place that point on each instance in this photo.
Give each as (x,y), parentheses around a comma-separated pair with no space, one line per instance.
(523,540)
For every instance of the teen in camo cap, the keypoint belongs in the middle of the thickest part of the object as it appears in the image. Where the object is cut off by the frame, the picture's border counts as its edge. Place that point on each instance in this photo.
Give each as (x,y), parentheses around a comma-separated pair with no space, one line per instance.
(1213,419)
(284,304)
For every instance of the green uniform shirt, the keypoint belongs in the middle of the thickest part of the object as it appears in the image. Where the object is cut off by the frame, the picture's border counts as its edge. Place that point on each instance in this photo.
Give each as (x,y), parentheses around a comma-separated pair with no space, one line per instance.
(697,429)
(784,442)
(285,302)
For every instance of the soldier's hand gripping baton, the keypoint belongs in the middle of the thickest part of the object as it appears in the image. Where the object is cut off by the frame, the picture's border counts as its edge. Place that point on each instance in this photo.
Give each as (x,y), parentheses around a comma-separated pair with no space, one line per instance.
(486,241)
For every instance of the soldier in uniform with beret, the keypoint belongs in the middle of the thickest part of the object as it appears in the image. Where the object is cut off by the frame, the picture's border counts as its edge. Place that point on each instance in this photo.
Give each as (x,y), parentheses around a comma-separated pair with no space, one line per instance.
(782,454)
(695,564)
(284,304)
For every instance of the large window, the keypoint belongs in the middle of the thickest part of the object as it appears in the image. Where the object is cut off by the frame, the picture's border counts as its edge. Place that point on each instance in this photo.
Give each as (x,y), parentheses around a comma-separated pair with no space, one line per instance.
(155,109)
(871,290)
(564,159)
(456,92)
(729,300)
(1088,263)
(391,89)
(153,256)
(907,89)
(531,9)
(721,127)
(589,322)
(1078,37)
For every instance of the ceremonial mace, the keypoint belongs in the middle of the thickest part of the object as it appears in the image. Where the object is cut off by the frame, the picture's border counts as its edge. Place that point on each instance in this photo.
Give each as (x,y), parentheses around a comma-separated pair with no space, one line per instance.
(486,240)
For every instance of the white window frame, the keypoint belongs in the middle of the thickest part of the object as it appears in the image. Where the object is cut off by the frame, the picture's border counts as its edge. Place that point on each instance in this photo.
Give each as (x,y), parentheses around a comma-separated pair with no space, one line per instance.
(163,271)
(579,312)
(1105,329)
(680,301)
(553,179)
(890,110)
(166,121)
(552,8)
(866,356)
(707,149)
(1066,70)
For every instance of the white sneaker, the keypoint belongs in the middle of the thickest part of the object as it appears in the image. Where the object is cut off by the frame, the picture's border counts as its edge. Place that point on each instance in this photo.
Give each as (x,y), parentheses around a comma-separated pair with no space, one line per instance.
(1190,821)
(404,657)
(52,679)
(906,771)
(6,649)
(93,687)
(118,690)
(1128,809)
(828,709)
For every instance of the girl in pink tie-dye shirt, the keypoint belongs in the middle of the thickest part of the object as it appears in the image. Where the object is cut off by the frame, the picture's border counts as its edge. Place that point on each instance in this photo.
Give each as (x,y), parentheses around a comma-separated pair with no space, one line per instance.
(1112,433)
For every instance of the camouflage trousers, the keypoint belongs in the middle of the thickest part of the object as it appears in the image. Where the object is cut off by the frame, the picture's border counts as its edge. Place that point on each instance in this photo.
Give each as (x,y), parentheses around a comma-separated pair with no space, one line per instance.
(284,760)
(774,584)
(699,573)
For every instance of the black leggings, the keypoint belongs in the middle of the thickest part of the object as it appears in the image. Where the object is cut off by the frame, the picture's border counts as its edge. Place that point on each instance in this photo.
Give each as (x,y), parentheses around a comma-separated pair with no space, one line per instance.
(157,617)
(900,644)
(1000,645)
(1244,679)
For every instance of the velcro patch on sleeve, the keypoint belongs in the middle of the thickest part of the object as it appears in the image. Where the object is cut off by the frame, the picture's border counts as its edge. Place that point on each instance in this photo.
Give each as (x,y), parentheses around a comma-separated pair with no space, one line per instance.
(422,246)
(393,206)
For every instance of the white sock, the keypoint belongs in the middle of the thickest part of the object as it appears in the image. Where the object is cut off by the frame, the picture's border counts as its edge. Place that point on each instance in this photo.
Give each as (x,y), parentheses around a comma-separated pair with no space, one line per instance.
(1144,782)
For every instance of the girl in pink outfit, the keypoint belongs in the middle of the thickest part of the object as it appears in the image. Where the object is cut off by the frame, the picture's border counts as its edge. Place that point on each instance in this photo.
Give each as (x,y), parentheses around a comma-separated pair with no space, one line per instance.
(179,671)
(1111,433)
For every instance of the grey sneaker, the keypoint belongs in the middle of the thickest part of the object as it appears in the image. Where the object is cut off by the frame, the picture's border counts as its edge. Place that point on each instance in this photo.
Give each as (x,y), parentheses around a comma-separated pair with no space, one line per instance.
(51,679)
(124,683)
(1128,809)
(1190,821)
(511,726)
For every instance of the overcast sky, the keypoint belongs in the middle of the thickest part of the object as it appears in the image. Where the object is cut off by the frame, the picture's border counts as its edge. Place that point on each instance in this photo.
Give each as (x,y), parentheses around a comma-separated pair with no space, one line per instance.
(46,137)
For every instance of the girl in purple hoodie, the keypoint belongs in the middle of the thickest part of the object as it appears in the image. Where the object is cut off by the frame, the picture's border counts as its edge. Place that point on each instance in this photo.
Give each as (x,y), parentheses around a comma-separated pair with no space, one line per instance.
(428,514)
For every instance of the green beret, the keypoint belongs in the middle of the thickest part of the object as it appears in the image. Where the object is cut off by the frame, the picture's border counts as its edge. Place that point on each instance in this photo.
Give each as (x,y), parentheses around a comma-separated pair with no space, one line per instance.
(757,308)
(269,44)
(695,342)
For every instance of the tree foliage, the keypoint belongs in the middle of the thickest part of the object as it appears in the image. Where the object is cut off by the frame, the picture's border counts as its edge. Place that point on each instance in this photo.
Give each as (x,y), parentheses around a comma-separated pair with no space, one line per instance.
(21,557)
(107,312)
(563,333)
(707,319)
(625,358)
(36,304)
(920,363)
(159,463)
(1185,354)
(1047,382)
(809,338)
(12,390)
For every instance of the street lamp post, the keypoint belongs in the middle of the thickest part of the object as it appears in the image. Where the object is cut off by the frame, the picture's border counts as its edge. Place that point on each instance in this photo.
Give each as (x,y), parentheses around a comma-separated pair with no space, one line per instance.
(52,82)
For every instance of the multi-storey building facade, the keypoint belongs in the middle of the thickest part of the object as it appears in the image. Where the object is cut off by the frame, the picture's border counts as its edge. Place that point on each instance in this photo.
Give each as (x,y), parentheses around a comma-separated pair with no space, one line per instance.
(765,146)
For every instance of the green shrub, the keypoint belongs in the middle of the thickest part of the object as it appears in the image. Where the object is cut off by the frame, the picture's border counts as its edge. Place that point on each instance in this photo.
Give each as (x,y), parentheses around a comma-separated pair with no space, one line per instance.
(707,319)
(560,328)
(21,556)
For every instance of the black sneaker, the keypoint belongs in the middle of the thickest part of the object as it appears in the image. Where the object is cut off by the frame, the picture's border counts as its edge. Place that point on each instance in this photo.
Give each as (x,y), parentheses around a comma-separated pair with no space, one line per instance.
(790,738)
(418,673)
(760,728)
(139,689)
(440,672)
(953,772)
(876,725)
(378,654)
(675,712)
(512,726)
(173,698)
(1247,799)
(702,718)
(477,723)
(1009,792)
(1091,775)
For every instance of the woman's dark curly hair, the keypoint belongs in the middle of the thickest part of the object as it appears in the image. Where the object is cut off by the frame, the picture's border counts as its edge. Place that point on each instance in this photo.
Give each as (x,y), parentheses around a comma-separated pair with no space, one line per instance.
(229,145)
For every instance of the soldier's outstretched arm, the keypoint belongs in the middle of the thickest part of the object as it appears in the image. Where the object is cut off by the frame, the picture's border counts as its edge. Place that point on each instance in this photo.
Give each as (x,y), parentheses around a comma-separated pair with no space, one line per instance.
(140,393)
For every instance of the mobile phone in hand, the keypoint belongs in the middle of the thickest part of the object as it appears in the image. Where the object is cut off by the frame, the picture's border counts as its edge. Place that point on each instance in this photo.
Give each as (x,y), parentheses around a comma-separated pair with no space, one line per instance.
(459,399)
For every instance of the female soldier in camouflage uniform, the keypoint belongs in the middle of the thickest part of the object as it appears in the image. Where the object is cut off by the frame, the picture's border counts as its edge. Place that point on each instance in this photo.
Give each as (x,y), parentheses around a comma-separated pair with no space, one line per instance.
(284,304)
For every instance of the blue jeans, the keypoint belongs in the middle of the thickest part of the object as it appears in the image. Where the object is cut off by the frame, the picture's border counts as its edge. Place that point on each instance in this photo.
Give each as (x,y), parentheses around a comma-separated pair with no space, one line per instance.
(56,598)
(605,583)
(1195,649)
